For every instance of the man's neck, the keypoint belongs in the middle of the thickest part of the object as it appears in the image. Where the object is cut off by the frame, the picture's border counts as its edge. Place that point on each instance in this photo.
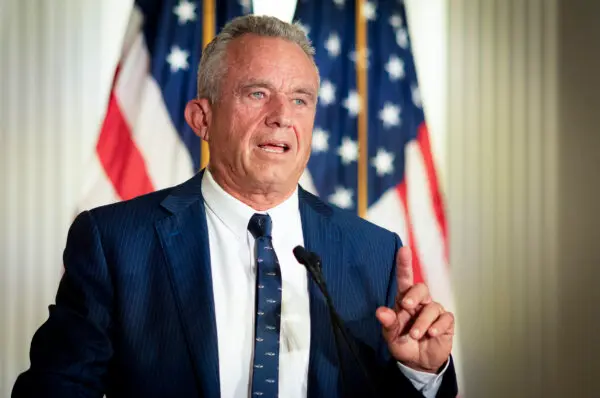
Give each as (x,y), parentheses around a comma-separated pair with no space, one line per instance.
(259,198)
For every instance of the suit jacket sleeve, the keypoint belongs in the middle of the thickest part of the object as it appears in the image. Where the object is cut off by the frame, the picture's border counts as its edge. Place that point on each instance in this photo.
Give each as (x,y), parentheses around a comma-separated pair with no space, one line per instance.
(71,350)
(394,382)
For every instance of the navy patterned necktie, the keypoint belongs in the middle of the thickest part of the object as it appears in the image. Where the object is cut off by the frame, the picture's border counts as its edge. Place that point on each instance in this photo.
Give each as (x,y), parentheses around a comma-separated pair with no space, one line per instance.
(265,372)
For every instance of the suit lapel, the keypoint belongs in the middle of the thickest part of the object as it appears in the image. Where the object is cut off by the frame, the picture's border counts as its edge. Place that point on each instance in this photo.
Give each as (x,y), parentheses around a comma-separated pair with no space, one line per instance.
(324,238)
(184,240)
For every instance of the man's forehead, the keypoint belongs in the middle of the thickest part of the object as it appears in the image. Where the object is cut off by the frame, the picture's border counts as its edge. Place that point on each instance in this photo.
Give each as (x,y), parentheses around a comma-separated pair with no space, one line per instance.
(261,60)
(265,49)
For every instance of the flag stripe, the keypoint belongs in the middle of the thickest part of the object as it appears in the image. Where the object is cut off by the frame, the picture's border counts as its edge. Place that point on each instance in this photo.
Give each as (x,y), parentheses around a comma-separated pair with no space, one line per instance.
(120,157)
(434,186)
(143,107)
(426,234)
(97,188)
(416,258)
(388,212)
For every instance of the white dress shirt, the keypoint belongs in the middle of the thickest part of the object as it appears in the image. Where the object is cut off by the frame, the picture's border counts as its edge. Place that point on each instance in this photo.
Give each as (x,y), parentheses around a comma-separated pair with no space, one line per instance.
(234,276)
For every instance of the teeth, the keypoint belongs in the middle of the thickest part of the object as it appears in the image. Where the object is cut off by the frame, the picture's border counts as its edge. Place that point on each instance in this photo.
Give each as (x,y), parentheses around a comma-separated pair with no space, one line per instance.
(269,149)
(274,148)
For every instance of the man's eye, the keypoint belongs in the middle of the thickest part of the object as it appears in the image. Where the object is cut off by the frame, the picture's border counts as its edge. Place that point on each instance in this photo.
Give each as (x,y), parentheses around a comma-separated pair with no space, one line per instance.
(258,95)
(299,101)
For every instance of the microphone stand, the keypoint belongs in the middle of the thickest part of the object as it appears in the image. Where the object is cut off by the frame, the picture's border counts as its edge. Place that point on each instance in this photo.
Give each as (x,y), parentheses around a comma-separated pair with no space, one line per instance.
(312,262)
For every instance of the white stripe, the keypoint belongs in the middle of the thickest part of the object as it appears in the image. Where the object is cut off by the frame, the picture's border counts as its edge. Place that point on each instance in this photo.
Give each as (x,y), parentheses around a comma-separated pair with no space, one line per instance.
(388,212)
(428,236)
(429,241)
(134,27)
(133,73)
(167,159)
(97,188)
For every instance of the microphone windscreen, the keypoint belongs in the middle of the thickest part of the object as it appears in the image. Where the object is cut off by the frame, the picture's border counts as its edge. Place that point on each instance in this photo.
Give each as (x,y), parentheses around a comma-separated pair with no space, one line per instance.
(302,255)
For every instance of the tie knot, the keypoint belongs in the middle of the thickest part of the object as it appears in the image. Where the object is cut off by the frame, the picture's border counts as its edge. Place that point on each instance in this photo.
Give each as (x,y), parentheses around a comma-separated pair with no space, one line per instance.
(260,225)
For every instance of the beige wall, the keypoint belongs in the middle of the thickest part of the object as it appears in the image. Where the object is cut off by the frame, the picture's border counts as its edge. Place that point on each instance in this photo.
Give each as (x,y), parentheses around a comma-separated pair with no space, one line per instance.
(502,192)
(57,60)
(579,197)
(524,178)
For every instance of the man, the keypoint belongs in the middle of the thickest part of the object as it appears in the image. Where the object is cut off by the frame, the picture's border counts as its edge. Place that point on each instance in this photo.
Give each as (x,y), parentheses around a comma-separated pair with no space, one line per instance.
(195,291)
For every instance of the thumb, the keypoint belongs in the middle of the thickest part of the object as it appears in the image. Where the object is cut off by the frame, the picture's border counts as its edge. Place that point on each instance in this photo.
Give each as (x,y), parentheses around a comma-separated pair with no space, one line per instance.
(387,318)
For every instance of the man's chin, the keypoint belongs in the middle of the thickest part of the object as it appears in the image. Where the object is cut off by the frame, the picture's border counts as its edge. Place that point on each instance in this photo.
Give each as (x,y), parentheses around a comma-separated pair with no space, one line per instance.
(275,180)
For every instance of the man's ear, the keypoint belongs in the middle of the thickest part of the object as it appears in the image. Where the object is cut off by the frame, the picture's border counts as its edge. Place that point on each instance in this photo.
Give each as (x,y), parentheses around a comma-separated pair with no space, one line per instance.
(198,115)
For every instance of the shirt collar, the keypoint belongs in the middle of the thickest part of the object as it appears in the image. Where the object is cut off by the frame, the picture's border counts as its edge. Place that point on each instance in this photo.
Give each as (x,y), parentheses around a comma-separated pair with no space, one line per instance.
(236,214)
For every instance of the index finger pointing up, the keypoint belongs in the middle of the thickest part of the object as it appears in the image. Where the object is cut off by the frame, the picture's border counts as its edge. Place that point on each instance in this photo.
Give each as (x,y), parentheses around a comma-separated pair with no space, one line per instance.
(404,270)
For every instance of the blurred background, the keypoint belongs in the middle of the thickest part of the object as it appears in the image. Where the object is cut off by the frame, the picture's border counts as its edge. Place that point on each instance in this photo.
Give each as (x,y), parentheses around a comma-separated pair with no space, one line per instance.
(510,92)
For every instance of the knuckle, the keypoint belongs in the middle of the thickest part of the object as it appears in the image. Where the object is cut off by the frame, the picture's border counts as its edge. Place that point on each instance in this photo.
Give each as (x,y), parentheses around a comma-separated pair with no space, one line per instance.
(447,318)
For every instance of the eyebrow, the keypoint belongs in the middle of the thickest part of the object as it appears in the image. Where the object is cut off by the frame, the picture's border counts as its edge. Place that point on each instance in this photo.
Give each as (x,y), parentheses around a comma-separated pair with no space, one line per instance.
(265,84)
(257,83)
(306,91)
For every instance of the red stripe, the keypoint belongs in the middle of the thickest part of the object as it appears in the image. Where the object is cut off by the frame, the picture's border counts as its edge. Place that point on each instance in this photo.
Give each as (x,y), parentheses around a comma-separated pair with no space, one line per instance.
(416,260)
(121,159)
(434,186)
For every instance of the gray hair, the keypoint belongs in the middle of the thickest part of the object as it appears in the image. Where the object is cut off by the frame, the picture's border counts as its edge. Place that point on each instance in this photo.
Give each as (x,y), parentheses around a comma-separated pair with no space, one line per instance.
(212,69)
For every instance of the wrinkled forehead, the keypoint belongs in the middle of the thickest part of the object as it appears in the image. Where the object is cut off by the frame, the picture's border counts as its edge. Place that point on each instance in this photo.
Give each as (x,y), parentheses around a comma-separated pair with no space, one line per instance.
(258,57)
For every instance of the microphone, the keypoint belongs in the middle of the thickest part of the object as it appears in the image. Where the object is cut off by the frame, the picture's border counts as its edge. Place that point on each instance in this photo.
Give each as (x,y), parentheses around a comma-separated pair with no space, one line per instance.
(312,262)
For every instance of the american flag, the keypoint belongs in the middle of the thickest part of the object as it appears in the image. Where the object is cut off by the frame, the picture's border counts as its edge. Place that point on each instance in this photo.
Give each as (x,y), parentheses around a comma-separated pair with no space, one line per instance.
(145,143)
(403,187)
(403,190)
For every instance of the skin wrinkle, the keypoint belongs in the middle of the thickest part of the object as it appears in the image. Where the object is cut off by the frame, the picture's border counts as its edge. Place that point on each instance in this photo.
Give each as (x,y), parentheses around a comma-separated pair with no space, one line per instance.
(268,94)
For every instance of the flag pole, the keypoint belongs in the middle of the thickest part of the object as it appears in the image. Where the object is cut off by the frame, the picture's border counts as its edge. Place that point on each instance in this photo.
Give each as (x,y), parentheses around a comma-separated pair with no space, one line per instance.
(361,82)
(208,32)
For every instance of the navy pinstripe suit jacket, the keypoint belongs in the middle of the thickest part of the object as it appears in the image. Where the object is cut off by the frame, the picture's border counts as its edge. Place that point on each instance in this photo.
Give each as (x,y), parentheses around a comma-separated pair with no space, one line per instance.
(134,313)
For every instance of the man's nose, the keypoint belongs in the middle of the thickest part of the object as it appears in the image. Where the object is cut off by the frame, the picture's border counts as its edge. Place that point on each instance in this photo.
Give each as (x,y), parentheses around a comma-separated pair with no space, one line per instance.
(280,113)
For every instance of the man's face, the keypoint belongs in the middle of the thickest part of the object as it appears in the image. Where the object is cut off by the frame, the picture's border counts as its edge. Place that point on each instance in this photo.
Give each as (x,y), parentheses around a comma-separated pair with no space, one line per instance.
(260,130)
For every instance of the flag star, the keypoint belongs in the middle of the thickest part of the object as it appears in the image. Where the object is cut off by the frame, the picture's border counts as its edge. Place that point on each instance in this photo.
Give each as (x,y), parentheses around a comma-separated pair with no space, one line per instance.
(333,45)
(305,28)
(185,11)
(342,197)
(402,38)
(383,162)
(340,3)
(369,10)
(416,97)
(390,115)
(348,151)
(352,103)
(178,59)
(395,68)
(354,56)
(327,93)
(396,21)
(320,140)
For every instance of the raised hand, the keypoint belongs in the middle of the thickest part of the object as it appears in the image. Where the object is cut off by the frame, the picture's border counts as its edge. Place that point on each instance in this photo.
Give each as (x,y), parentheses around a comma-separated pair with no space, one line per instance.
(418,331)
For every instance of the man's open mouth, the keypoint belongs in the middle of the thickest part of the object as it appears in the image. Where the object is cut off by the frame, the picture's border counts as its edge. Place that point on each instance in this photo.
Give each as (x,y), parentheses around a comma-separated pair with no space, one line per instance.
(274,147)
